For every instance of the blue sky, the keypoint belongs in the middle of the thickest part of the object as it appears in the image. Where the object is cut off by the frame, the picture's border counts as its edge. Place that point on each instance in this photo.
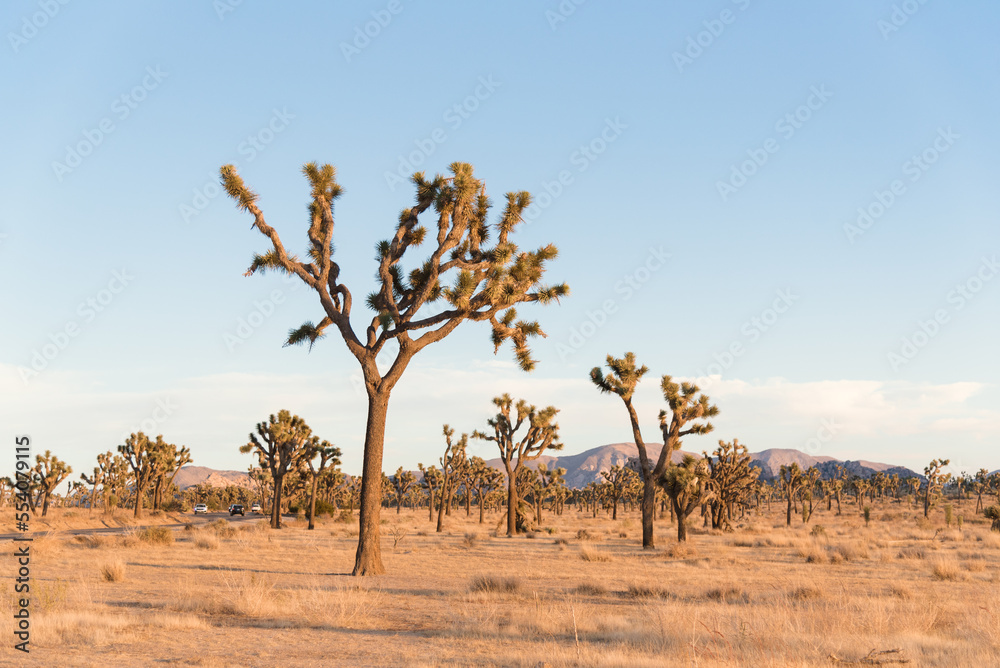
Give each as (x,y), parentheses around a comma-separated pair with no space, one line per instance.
(714,159)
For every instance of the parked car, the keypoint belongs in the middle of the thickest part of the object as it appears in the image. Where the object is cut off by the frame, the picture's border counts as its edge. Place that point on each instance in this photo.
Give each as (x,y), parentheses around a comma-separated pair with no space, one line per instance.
(200,508)
(255,508)
(237,509)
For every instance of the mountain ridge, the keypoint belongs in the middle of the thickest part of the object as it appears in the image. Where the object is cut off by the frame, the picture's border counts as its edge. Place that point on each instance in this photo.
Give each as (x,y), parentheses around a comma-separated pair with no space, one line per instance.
(585,467)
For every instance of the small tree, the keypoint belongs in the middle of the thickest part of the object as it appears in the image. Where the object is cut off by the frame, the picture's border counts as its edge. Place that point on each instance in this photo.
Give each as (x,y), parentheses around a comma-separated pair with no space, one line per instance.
(483,479)
(49,471)
(452,463)
(688,485)
(167,461)
(993,513)
(283,439)
(329,458)
(936,479)
(619,479)
(401,482)
(542,434)
(96,479)
(432,482)
(478,282)
(686,406)
(792,479)
(733,480)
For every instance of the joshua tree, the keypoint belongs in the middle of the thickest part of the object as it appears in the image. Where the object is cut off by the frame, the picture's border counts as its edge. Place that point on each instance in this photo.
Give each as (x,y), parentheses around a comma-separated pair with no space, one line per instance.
(94,481)
(554,485)
(619,479)
(283,439)
(810,478)
(49,471)
(936,480)
(686,406)
(914,485)
(980,484)
(401,483)
(688,485)
(432,482)
(137,452)
(792,478)
(452,463)
(733,480)
(329,458)
(993,513)
(478,283)
(483,479)
(542,434)
(167,461)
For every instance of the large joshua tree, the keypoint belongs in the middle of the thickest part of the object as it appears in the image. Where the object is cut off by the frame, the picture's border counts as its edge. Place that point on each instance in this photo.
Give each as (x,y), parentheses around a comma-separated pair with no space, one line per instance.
(477,282)
(284,438)
(688,410)
(542,434)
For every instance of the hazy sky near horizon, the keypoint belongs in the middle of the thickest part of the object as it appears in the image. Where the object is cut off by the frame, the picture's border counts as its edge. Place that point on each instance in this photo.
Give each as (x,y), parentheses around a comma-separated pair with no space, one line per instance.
(795,204)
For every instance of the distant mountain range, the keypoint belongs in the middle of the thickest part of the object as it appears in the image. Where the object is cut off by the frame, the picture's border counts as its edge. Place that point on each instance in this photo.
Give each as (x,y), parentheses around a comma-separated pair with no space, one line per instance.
(586,467)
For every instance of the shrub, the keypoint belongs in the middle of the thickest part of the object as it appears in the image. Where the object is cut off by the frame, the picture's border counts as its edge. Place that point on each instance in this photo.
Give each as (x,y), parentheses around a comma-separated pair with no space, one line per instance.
(156,536)
(590,589)
(93,542)
(817,531)
(806,593)
(868,515)
(731,594)
(113,571)
(945,569)
(589,554)
(491,584)
(948,514)
(223,528)
(680,551)
(470,538)
(345,516)
(207,542)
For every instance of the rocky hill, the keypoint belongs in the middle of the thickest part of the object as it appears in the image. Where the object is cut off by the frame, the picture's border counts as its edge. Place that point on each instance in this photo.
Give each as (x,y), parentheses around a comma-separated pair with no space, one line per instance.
(770,462)
(190,476)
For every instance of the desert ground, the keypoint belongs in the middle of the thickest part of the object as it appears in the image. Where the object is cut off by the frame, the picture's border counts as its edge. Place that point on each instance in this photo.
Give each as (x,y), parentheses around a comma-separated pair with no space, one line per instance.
(579,592)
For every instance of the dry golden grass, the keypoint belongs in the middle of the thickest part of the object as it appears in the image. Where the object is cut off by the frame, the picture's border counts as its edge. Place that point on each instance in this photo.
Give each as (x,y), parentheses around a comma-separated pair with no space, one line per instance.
(232,594)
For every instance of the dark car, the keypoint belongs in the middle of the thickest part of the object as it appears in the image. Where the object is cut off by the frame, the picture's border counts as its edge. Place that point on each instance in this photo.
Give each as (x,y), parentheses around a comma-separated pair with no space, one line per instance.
(237,509)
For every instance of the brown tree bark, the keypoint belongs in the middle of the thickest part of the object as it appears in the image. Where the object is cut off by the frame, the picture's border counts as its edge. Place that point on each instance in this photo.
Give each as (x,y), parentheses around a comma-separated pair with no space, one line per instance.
(368,560)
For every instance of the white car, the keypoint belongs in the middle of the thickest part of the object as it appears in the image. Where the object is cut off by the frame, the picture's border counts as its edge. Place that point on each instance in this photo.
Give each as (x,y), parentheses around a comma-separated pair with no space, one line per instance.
(200,508)
(255,508)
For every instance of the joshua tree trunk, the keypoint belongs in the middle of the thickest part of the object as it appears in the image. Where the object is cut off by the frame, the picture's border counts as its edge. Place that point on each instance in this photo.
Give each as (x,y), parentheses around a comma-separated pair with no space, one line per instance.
(276,503)
(788,513)
(312,501)
(511,503)
(368,560)
(682,532)
(480,506)
(648,510)
(441,507)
